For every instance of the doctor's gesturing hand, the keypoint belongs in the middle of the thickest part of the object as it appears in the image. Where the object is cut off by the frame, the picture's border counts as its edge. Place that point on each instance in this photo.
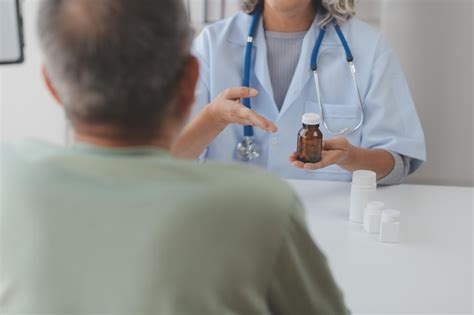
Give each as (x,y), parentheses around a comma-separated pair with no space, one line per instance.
(341,152)
(224,110)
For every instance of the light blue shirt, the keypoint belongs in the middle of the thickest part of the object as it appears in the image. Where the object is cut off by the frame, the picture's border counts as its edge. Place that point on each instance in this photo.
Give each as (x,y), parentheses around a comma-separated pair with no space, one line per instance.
(391,121)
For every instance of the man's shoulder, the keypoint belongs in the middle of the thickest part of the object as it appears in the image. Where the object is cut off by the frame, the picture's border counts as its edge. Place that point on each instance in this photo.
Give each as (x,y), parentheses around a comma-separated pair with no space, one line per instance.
(21,164)
(250,185)
(225,185)
(23,150)
(248,175)
(247,198)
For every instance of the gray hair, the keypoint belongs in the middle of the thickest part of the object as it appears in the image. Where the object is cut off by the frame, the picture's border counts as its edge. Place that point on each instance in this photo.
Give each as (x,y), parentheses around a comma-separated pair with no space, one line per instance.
(338,10)
(116,62)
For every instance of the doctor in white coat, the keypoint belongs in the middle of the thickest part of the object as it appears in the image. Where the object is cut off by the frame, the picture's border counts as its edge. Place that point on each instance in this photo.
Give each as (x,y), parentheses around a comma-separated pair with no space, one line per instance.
(390,140)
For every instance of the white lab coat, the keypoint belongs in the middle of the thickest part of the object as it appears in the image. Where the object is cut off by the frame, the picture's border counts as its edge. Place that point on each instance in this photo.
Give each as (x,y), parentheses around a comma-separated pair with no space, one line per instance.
(391,120)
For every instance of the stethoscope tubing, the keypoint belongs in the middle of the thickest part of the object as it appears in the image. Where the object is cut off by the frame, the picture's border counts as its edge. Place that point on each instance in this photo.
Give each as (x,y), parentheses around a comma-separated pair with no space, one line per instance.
(248,130)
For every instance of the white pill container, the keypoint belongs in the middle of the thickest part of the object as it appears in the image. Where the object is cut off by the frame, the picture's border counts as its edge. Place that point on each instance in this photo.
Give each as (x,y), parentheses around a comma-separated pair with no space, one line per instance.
(364,185)
(373,216)
(390,226)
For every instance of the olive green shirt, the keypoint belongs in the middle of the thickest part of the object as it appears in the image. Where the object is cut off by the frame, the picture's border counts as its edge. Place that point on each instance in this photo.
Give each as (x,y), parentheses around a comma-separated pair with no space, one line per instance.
(89,230)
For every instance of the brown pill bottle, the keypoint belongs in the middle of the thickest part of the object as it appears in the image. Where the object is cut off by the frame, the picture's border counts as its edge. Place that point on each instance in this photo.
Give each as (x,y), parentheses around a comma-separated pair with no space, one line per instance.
(310,139)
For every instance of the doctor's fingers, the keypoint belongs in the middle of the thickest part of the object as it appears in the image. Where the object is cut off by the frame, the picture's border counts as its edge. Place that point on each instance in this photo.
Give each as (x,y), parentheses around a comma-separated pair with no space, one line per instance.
(238,93)
(246,116)
(293,159)
(328,158)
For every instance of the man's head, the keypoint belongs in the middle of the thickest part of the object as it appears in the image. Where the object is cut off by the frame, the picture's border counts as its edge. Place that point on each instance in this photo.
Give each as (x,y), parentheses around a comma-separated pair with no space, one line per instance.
(121,68)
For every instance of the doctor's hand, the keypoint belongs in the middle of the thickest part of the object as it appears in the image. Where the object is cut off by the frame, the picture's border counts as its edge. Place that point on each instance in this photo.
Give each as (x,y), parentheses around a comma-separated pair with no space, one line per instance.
(226,109)
(335,151)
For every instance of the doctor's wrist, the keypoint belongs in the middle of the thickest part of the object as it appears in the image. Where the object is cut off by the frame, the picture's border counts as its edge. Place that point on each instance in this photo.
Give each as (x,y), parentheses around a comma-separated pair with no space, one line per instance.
(211,111)
(350,158)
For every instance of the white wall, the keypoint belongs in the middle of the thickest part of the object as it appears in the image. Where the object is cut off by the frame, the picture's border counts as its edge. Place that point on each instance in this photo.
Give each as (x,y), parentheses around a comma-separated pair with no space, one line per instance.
(433,39)
(370,11)
(27,110)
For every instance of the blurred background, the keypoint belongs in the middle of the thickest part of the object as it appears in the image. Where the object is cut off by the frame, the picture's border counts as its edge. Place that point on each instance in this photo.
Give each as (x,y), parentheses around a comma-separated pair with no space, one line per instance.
(433,39)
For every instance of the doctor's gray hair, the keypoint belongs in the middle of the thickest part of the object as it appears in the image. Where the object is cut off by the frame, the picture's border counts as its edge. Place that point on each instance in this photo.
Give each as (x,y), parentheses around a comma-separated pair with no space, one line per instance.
(339,10)
(116,63)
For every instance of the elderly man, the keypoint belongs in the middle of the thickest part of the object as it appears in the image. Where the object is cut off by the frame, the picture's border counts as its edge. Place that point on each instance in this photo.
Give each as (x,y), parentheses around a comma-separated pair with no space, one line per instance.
(114,224)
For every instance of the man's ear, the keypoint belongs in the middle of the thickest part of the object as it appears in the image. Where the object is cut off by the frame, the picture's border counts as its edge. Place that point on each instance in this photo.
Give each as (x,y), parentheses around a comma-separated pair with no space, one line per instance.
(50,86)
(187,85)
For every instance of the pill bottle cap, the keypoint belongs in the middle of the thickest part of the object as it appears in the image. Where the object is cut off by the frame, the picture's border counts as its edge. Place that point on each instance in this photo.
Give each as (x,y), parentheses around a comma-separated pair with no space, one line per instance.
(311,119)
(375,207)
(364,178)
(391,215)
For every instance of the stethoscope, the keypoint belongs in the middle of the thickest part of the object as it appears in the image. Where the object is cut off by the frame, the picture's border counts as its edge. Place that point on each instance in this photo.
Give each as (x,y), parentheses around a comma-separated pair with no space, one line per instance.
(247,149)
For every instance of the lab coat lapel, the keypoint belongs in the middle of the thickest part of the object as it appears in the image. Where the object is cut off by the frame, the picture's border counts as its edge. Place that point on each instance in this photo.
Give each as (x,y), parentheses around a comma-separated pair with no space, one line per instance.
(261,63)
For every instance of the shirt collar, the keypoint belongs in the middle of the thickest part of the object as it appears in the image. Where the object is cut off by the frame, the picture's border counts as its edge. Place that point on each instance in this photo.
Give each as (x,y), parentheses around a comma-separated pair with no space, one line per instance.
(120,151)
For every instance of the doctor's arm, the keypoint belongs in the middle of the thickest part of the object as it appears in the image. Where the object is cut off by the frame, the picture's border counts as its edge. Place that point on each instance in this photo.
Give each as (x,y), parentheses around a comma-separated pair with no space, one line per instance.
(351,158)
(225,109)
(396,144)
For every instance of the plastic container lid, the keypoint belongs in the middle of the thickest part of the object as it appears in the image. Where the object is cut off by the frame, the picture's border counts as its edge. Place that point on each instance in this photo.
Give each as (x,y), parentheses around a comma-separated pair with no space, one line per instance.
(375,207)
(391,215)
(311,119)
(364,178)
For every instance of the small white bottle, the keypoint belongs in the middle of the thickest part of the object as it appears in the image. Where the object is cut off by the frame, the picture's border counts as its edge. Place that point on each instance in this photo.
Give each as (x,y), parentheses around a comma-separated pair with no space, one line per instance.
(390,226)
(373,216)
(364,185)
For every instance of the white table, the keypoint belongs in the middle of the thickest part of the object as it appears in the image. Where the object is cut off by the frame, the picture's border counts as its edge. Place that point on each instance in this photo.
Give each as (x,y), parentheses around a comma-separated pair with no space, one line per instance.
(428,272)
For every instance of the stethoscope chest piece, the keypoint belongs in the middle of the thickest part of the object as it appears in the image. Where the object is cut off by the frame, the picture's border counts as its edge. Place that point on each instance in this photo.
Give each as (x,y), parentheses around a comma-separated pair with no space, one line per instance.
(247,150)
